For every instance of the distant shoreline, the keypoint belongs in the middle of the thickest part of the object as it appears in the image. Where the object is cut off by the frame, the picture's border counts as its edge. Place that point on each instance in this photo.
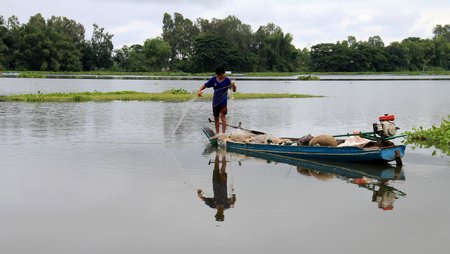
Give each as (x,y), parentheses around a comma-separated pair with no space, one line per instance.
(266,76)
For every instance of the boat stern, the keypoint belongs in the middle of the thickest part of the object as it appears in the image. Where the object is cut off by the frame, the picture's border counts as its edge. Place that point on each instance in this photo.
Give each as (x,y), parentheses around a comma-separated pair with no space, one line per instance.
(393,153)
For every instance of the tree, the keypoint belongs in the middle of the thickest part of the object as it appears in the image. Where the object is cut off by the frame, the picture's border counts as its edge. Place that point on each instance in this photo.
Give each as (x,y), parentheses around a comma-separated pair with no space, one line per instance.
(136,59)
(331,57)
(97,53)
(376,41)
(232,31)
(396,57)
(3,47)
(13,40)
(67,36)
(418,53)
(156,54)
(442,31)
(304,59)
(274,49)
(351,41)
(368,57)
(441,57)
(210,51)
(36,47)
(179,33)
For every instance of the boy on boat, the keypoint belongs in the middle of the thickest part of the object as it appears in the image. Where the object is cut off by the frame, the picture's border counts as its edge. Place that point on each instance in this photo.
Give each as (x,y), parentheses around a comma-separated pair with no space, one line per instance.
(220,83)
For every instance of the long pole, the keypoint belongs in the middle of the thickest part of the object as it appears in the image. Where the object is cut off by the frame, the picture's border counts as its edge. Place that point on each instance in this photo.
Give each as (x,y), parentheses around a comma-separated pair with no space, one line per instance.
(239,127)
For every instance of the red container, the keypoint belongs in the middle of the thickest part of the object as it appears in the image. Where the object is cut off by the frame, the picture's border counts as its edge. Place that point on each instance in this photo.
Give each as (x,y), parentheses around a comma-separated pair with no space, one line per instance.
(387,117)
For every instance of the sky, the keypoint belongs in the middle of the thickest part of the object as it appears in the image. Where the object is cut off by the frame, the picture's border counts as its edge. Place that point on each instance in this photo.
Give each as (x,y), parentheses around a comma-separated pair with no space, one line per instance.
(310,22)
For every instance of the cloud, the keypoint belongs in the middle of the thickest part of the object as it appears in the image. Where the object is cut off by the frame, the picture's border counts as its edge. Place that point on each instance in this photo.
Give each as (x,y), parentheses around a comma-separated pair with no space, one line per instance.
(310,22)
(135,32)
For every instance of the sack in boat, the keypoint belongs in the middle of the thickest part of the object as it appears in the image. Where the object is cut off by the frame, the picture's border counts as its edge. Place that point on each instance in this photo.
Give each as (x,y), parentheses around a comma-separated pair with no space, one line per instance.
(304,141)
(355,141)
(323,140)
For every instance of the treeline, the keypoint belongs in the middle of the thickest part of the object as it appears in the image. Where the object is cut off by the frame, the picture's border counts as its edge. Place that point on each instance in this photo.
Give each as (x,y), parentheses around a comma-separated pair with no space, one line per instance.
(411,54)
(56,44)
(59,44)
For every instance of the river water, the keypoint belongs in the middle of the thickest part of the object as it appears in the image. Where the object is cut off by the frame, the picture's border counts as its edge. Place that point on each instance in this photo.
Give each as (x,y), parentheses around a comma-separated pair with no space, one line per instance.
(117,177)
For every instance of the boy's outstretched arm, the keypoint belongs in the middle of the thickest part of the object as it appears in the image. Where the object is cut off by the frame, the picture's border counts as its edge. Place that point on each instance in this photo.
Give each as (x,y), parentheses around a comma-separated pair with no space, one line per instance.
(200,91)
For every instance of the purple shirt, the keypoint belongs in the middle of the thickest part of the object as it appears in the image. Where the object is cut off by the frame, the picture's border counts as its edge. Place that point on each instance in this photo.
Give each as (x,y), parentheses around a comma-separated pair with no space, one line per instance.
(220,90)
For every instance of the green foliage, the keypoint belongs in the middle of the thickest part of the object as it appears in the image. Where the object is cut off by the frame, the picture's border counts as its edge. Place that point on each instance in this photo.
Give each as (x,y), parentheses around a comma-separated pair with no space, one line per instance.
(308,77)
(246,96)
(443,32)
(329,57)
(274,49)
(438,137)
(210,50)
(176,91)
(58,44)
(179,33)
(97,53)
(152,56)
(156,54)
(412,54)
(171,95)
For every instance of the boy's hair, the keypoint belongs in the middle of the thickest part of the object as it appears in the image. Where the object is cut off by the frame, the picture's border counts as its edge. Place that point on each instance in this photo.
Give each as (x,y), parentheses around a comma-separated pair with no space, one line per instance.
(220,70)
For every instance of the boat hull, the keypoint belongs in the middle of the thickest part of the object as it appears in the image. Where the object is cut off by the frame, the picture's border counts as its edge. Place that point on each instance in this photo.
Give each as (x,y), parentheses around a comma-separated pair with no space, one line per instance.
(324,152)
(346,154)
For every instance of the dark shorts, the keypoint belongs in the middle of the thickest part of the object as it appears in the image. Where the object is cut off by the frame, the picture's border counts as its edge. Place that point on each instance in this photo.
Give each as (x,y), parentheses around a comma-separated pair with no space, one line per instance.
(219,109)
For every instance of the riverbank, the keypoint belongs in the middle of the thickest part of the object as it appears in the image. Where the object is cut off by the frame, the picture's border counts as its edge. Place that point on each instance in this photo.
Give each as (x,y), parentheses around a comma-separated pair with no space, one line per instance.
(276,76)
(173,95)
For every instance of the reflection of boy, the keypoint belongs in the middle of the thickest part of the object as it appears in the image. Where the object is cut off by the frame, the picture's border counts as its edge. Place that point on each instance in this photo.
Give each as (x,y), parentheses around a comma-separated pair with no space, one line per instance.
(220,201)
(220,83)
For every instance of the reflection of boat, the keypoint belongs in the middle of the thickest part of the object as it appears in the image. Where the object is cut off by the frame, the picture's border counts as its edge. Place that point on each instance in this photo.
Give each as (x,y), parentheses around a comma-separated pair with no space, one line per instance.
(345,170)
(348,154)
(374,177)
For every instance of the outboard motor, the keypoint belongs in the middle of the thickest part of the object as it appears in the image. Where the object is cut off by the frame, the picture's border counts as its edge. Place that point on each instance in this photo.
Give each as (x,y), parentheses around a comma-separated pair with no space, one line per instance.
(386,127)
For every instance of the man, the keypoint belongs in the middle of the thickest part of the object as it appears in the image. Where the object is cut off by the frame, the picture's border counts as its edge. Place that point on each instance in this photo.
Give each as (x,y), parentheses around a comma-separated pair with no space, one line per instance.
(220,83)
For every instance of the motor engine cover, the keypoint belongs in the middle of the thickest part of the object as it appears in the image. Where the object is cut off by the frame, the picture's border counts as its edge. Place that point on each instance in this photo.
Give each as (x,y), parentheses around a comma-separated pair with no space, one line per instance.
(389,128)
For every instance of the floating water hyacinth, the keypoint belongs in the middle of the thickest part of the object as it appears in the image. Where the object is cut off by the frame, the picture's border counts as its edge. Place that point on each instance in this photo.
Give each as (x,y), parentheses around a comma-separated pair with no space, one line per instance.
(438,137)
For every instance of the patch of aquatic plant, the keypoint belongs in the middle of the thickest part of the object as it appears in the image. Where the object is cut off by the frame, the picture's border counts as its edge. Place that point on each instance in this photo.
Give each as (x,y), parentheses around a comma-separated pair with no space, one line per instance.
(32,75)
(243,96)
(269,74)
(176,91)
(308,77)
(171,95)
(436,136)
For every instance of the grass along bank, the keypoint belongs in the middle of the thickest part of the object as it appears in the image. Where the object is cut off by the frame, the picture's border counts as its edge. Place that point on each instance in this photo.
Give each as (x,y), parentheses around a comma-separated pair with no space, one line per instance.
(172,95)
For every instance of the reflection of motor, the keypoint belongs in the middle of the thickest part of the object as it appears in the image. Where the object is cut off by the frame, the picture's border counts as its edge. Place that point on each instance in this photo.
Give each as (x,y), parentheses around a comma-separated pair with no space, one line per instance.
(386,126)
(385,197)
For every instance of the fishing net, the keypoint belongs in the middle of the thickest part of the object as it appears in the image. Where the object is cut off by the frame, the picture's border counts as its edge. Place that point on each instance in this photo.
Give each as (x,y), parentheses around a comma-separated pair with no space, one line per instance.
(243,136)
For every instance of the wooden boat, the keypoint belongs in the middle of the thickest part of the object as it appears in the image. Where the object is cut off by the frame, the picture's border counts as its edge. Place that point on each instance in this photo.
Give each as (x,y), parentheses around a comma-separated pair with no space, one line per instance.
(327,153)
